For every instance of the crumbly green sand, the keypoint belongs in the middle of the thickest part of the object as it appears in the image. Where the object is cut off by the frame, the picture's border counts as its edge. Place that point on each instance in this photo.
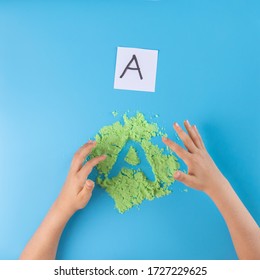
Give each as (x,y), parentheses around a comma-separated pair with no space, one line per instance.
(132,156)
(114,113)
(131,187)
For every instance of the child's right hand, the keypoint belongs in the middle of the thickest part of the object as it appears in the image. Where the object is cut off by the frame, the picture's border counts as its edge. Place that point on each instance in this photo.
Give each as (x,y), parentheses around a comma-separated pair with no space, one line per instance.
(202,173)
(77,189)
(74,195)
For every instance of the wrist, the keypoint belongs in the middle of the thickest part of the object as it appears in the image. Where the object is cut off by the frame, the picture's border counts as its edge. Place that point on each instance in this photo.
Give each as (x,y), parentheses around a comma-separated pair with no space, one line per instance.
(63,211)
(218,188)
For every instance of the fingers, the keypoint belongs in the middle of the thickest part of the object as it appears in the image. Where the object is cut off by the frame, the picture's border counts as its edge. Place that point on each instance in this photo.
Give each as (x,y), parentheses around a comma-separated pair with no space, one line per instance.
(81,154)
(186,139)
(186,179)
(193,134)
(88,166)
(199,137)
(183,154)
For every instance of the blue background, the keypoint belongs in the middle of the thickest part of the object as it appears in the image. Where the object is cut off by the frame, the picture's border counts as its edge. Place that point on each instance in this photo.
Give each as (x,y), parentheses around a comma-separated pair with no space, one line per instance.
(57,63)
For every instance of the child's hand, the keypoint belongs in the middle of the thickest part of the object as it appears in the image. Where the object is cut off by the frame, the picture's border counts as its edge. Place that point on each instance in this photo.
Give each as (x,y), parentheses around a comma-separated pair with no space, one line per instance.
(77,190)
(74,195)
(202,174)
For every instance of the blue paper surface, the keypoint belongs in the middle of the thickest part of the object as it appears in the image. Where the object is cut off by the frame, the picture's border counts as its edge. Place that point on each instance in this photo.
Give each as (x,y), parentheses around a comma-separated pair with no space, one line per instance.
(57,63)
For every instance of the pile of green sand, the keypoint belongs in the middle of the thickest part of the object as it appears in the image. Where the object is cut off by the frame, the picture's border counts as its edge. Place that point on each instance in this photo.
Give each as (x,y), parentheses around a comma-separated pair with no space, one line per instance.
(130,187)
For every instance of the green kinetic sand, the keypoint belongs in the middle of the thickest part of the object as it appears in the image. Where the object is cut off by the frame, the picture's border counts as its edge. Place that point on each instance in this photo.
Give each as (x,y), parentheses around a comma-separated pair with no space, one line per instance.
(132,156)
(130,187)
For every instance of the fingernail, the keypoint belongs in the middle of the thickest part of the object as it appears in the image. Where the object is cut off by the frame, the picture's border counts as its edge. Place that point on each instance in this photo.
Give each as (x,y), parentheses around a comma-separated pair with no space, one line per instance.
(90,185)
(176,124)
(188,123)
(164,139)
(177,174)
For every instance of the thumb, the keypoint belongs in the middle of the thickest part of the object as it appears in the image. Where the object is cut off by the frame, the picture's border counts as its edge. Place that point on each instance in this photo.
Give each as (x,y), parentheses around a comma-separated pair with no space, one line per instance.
(89,186)
(186,179)
(85,194)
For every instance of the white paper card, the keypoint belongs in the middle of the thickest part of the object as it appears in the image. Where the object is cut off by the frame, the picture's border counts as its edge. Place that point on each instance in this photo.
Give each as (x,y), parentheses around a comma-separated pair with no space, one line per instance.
(136,69)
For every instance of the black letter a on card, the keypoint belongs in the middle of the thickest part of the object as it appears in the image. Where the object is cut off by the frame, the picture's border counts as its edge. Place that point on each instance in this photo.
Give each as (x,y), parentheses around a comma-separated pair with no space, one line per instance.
(131,68)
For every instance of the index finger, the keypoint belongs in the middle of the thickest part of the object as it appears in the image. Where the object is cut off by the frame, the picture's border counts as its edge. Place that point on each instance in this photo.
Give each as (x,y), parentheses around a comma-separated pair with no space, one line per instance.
(89,165)
(81,154)
(182,153)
